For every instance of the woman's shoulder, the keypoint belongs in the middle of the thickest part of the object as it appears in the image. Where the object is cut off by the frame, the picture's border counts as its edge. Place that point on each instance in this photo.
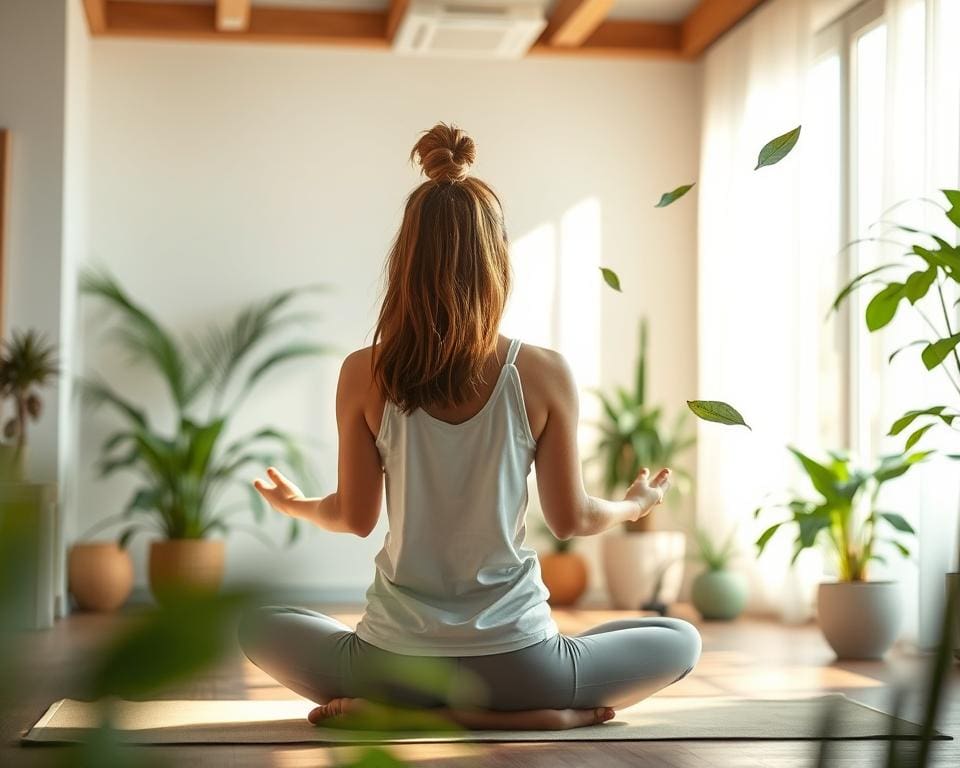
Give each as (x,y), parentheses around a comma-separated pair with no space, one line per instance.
(545,370)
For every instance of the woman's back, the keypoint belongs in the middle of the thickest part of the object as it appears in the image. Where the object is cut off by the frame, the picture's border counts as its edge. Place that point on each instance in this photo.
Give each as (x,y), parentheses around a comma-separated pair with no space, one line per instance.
(454,577)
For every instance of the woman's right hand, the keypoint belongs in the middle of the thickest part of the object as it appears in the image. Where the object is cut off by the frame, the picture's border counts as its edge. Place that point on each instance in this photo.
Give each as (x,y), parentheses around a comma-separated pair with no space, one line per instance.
(646,492)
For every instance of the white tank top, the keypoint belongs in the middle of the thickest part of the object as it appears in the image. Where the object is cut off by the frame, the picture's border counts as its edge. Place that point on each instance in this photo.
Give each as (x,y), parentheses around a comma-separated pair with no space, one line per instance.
(454,577)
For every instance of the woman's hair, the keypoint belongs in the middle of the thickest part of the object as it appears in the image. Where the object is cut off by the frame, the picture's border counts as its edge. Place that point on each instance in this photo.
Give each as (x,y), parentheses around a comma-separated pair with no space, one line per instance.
(447,280)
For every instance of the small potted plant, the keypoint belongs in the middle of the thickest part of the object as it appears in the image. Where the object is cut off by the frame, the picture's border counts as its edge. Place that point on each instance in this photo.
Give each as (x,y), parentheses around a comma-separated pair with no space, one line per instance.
(860,619)
(184,474)
(27,364)
(718,593)
(564,571)
(641,564)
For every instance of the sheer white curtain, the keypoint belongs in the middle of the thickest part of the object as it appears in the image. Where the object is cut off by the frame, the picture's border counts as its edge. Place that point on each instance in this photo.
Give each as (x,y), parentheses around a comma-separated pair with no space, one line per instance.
(767,242)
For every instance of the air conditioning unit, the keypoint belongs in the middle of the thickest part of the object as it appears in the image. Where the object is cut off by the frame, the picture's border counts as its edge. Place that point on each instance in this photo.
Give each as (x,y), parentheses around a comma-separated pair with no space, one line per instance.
(498,30)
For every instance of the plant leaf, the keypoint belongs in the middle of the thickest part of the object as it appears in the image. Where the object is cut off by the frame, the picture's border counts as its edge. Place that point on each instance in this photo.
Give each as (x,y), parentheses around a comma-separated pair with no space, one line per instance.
(717,411)
(766,536)
(855,283)
(918,283)
(953,197)
(910,416)
(897,521)
(935,353)
(776,149)
(905,346)
(883,306)
(610,278)
(915,437)
(670,197)
(823,479)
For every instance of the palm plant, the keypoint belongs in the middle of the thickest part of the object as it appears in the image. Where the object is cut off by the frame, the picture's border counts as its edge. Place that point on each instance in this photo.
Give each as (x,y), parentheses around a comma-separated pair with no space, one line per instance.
(183,476)
(27,363)
(845,517)
(633,437)
(716,557)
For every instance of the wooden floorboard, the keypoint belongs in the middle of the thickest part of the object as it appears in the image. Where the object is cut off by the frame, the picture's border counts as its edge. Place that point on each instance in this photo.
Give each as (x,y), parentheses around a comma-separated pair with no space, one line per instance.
(750,657)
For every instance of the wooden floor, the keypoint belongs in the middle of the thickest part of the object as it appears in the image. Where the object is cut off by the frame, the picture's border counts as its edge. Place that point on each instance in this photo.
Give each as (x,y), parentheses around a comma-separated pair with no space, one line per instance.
(748,658)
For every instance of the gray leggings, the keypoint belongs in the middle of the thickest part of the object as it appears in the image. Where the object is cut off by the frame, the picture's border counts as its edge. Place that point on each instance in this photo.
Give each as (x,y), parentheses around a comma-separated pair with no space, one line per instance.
(615,664)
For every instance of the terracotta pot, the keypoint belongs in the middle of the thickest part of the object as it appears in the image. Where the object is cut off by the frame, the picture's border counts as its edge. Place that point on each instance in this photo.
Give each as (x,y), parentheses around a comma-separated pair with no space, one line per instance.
(179,566)
(100,575)
(565,575)
(860,619)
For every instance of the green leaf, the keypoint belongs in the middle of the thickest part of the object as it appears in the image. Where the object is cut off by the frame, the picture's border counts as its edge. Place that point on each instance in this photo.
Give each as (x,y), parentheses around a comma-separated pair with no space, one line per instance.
(953,197)
(893,467)
(915,437)
(855,283)
(918,283)
(822,478)
(897,521)
(610,278)
(716,411)
(900,547)
(935,353)
(910,416)
(905,346)
(291,352)
(883,306)
(766,536)
(670,197)
(776,149)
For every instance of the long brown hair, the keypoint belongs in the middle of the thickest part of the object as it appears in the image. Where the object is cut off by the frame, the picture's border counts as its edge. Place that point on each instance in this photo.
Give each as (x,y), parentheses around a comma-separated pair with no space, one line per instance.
(447,281)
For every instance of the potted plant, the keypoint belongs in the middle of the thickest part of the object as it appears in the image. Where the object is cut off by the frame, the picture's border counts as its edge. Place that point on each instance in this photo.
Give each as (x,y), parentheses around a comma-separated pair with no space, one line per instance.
(640,564)
(184,475)
(718,593)
(564,572)
(921,272)
(859,618)
(27,365)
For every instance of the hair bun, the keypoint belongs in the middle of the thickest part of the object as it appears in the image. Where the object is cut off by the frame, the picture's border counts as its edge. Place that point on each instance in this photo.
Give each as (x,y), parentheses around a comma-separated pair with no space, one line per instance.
(445,153)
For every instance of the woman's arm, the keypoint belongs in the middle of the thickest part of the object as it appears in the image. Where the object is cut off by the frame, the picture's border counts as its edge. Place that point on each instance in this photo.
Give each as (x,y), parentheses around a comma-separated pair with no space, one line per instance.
(568,510)
(355,506)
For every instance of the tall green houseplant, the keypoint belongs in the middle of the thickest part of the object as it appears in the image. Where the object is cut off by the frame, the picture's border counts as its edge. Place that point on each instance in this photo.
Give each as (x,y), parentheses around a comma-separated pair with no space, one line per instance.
(184,475)
(633,435)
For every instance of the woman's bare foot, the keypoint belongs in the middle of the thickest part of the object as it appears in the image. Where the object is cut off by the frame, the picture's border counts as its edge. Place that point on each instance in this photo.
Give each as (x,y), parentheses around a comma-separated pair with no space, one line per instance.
(339,710)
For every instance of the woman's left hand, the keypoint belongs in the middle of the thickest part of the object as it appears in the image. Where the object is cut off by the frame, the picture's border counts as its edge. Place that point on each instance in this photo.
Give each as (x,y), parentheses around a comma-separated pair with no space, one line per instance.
(283,495)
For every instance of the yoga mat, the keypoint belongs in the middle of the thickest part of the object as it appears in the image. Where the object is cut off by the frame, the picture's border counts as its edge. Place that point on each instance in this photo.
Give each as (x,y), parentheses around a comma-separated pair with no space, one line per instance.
(283,722)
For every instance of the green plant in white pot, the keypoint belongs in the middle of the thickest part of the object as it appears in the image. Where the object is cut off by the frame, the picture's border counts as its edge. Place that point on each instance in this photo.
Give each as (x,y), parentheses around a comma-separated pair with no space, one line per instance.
(184,475)
(718,593)
(922,275)
(28,364)
(641,565)
(859,618)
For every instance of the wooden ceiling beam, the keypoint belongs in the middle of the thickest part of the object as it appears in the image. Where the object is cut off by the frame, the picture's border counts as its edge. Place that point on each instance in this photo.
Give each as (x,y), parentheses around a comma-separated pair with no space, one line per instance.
(710,20)
(573,21)
(233,15)
(622,38)
(395,13)
(96,15)
(268,24)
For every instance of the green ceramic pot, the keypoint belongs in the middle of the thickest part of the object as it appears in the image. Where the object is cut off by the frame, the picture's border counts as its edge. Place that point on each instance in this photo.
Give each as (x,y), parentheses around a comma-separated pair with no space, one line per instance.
(719,595)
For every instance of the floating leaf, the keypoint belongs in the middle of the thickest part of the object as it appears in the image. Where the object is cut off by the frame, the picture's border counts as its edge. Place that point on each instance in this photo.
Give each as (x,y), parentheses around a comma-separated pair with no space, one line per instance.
(717,411)
(610,278)
(776,149)
(935,353)
(671,197)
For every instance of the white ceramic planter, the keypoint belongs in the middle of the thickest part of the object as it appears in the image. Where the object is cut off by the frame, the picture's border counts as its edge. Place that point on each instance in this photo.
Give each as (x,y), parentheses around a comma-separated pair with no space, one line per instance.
(634,562)
(860,619)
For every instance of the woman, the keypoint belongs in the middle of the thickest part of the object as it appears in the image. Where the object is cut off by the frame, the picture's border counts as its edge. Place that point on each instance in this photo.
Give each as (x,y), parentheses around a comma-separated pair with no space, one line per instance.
(454,415)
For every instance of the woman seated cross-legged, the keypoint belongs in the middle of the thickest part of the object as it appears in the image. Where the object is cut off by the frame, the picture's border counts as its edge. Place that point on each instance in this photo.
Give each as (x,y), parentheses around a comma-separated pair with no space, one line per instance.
(453,416)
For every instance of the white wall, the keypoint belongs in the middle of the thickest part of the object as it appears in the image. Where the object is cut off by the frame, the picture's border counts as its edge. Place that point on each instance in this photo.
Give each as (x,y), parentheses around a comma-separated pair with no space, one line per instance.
(220,173)
(32,94)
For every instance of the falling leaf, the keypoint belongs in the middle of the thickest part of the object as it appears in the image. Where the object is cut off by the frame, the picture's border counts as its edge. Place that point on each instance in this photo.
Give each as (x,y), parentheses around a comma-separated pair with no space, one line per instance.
(775,150)
(611,279)
(715,410)
(670,197)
